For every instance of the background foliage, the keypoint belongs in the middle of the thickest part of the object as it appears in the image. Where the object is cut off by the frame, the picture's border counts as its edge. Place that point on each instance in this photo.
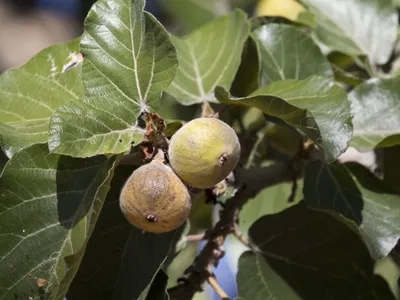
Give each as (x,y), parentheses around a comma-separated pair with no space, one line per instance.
(288,76)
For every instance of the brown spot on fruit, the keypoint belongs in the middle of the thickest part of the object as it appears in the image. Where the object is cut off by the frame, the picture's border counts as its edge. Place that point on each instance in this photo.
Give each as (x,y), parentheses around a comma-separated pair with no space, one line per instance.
(152,218)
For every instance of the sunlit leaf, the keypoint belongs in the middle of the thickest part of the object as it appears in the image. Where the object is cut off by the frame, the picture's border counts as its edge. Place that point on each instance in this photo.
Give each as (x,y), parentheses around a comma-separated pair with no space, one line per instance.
(357,27)
(288,52)
(129,61)
(376,107)
(30,94)
(208,57)
(315,106)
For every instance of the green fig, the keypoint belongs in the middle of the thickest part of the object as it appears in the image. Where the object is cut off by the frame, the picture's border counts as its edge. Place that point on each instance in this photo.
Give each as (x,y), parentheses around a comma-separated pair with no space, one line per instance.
(204,152)
(154,199)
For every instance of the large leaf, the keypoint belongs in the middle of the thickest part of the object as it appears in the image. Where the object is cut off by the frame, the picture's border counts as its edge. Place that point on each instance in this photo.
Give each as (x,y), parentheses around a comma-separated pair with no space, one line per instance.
(316,106)
(288,52)
(357,27)
(143,251)
(351,190)
(30,94)
(192,14)
(391,166)
(307,255)
(130,258)
(3,160)
(129,61)
(269,201)
(376,108)
(208,57)
(247,78)
(158,289)
(49,205)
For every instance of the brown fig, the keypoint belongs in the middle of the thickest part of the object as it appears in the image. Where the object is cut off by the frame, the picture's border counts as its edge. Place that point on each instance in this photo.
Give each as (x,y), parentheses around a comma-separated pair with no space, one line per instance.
(204,151)
(154,199)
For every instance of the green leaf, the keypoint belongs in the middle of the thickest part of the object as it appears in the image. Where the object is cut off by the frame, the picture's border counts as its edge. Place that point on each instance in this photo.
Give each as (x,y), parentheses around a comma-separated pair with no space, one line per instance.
(307,18)
(316,106)
(208,57)
(247,78)
(3,160)
(391,166)
(376,108)
(183,260)
(120,259)
(96,280)
(340,23)
(283,138)
(129,61)
(192,14)
(158,289)
(288,52)
(307,255)
(351,190)
(269,201)
(143,256)
(30,95)
(49,205)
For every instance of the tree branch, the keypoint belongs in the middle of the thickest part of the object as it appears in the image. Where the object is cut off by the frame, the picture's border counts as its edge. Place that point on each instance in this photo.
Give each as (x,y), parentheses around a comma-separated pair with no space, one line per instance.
(252,182)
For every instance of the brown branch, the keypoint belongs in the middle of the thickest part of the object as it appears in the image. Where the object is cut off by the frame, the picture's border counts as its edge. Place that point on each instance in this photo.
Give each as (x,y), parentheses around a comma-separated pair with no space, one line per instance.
(253,181)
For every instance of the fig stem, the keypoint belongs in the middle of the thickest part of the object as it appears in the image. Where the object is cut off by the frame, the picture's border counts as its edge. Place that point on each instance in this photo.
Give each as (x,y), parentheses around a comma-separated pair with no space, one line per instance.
(206,110)
(160,156)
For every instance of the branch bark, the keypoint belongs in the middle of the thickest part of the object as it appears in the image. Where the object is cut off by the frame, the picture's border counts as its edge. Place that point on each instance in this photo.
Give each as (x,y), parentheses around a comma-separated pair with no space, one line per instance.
(252,182)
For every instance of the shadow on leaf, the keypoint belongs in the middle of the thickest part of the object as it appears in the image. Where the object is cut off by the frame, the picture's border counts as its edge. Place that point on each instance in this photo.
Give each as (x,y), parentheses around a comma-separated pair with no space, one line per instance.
(307,254)
(77,181)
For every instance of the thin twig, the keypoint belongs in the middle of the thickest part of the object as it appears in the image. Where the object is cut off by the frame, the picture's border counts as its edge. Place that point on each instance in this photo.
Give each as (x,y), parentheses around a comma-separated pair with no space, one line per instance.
(253,181)
(217,288)
(240,236)
(252,155)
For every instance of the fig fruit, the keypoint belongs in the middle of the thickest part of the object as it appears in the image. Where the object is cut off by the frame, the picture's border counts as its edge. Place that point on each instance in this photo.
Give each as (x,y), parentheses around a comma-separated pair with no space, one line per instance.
(154,199)
(204,151)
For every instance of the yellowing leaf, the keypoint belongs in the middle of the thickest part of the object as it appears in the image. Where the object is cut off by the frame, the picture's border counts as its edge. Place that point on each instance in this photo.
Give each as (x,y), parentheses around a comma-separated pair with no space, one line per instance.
(289,9)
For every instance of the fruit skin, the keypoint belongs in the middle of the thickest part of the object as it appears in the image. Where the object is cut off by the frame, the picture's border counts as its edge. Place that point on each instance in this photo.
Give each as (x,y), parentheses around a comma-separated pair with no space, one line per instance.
(204,151)
(154,199)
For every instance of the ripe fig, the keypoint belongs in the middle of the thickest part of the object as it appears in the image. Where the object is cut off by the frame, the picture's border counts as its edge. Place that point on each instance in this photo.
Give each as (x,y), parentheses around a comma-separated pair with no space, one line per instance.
(204,151)
(154,199)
